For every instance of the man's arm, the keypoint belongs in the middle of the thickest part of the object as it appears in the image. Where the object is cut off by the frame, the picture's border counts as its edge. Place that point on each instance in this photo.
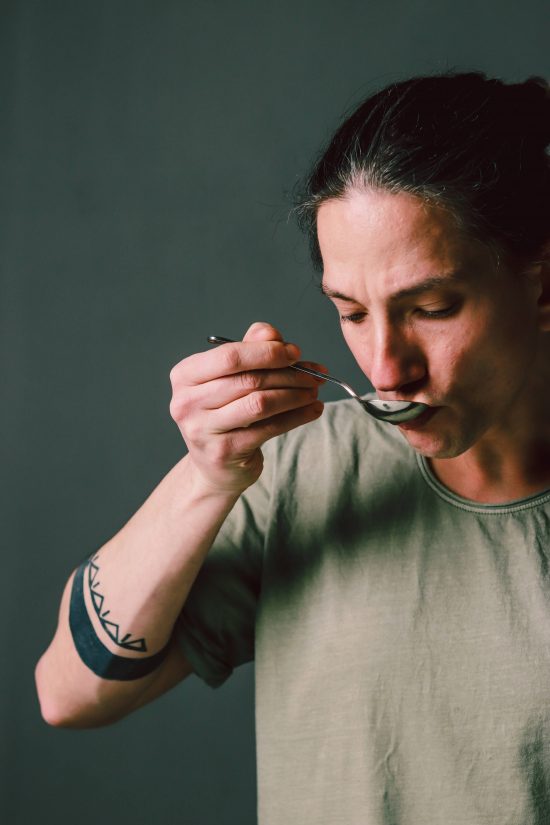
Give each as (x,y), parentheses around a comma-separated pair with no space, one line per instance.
(121,607)
(145,574)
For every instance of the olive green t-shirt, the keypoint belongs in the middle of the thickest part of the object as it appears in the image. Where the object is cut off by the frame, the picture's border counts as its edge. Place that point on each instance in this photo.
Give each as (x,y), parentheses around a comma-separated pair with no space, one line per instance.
(401,635)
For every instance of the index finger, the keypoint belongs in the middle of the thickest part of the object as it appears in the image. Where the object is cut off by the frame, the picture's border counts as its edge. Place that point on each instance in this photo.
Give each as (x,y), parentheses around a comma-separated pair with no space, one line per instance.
(235,357)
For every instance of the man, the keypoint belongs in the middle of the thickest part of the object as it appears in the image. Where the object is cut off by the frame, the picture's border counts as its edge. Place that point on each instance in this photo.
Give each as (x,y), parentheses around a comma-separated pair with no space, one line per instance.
(391,583)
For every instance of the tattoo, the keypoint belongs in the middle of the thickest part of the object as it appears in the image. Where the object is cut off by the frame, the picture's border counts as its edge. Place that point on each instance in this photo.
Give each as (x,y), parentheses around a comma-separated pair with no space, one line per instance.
(111,628)
(91,649)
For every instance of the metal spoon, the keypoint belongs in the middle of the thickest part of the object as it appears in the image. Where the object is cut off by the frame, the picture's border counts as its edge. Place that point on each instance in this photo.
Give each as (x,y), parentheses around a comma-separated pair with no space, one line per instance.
(393,412)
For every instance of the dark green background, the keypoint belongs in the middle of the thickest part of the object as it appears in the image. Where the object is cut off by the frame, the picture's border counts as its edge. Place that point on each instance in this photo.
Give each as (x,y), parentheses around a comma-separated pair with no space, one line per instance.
(146,152)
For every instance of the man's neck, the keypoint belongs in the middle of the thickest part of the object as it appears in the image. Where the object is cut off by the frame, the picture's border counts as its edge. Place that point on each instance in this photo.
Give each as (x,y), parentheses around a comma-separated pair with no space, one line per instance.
(495,479)
(512,460)
(509,463)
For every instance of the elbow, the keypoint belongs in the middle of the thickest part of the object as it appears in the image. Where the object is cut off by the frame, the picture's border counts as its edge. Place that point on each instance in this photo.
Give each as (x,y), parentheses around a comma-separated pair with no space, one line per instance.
(58,712)
(55,715)
(47,705)
(51,710)
(52,716)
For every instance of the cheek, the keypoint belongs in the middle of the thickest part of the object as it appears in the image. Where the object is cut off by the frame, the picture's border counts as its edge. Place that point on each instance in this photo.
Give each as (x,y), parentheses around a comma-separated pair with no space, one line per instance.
(459,356)
(448,364)
(357,345)
(479,358)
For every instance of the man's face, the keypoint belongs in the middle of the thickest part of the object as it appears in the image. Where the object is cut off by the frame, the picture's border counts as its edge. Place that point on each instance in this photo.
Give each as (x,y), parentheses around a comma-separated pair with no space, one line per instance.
(430,316)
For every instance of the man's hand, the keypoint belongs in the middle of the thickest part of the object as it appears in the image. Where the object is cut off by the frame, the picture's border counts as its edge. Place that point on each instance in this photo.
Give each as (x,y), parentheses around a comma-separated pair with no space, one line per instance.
(230,400)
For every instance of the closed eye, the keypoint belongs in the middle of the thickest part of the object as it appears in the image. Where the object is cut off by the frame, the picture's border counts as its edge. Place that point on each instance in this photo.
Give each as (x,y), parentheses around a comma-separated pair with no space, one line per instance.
(445,312)
(353,317)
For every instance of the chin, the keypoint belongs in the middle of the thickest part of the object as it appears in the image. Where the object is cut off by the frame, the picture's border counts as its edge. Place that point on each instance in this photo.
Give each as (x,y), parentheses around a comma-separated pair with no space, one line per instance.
(446,436)
(432,445)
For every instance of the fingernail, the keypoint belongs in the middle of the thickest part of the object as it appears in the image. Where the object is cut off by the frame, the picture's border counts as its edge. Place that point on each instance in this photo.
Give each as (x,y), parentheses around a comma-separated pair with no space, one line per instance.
(292,352)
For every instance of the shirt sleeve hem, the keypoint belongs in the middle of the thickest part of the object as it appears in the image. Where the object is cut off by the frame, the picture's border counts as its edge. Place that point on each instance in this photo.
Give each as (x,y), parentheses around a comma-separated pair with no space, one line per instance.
(213,672)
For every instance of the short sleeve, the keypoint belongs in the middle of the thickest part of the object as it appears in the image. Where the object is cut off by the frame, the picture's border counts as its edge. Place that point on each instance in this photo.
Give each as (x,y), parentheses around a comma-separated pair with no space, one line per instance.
(215,629)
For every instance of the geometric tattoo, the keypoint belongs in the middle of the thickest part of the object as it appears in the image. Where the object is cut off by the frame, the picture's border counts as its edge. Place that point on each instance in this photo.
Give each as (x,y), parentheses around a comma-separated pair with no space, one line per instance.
(89,646)
(110,628)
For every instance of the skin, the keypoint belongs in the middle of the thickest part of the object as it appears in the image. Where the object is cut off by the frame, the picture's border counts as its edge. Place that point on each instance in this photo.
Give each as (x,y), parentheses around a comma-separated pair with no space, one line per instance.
(228,401)
(475,344)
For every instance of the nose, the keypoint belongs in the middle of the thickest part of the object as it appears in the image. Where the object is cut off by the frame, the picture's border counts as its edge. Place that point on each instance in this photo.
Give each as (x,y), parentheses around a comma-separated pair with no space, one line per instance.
(397,362)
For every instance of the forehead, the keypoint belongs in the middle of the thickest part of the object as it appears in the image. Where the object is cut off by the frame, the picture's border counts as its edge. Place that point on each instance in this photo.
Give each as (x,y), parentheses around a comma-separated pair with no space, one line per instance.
(391,239)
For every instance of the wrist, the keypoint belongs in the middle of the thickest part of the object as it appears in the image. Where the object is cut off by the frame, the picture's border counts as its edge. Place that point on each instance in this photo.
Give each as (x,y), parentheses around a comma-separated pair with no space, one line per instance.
(221,487)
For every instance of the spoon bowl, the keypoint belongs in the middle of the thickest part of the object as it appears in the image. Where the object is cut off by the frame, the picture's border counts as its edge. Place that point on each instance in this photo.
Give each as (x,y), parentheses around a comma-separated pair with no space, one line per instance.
(392,412)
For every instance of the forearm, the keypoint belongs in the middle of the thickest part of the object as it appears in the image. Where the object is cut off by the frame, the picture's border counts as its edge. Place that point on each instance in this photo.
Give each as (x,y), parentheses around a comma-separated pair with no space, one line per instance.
(132,595)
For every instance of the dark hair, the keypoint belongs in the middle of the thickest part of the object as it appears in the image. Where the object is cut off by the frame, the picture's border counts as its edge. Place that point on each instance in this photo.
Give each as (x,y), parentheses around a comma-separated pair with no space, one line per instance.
(473,145)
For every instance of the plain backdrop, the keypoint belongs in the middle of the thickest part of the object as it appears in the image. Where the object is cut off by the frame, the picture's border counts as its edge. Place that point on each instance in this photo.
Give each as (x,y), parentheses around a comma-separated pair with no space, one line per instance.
(148,155)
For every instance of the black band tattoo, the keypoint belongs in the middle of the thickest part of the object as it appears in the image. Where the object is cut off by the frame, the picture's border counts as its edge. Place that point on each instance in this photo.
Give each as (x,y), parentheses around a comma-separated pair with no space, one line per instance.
(95,655)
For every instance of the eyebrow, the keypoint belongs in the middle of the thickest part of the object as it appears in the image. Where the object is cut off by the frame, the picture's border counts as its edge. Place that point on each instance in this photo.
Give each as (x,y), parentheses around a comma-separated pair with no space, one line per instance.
(434,282)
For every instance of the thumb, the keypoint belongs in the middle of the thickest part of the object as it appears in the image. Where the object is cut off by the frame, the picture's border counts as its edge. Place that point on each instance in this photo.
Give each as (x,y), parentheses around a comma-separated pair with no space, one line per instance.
(262,331)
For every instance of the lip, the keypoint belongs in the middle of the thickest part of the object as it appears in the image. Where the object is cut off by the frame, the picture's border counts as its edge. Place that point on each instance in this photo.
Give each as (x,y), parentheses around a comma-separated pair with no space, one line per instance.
(421,421)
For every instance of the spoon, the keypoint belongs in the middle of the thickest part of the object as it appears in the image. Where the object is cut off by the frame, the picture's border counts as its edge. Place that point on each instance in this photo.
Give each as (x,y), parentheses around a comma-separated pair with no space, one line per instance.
(393,412)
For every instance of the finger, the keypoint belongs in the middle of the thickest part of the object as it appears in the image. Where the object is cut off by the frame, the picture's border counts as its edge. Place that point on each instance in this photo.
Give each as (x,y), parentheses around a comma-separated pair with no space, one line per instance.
(258,406)
(262,331)
(282,423)
(229,359)
(222,391)
(250,438)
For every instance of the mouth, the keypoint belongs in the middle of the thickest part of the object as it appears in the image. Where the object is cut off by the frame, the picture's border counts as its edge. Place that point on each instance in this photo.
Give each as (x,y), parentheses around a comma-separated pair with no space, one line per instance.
(421,421)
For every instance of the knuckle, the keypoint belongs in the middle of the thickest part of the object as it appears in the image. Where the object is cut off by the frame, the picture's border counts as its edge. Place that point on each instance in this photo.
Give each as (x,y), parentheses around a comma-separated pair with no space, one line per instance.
(179,407)
(256,404)
(231,359)
(173,375)
(274,349)
(249,381)
(192,432)
(179,374)
(174,409)
(275,352)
